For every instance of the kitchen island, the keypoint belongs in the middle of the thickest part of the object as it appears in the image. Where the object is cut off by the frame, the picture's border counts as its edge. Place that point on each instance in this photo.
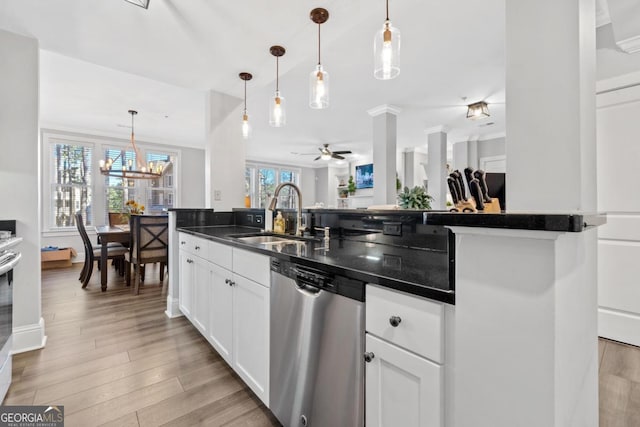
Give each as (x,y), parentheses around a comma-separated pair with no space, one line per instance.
(510,339)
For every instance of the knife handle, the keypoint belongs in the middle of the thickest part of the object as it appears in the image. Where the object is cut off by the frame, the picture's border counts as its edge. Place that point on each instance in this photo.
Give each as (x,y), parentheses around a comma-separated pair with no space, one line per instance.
(468,173)
(476,192)
(460,183)
(453,190)
(479,174)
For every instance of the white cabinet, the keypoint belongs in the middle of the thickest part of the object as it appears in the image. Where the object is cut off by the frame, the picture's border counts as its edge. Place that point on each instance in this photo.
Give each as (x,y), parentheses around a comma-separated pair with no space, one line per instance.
(221,311)
(226,297)
(251,334)
(404,351)
(201,285)
(402,389)
(186,283)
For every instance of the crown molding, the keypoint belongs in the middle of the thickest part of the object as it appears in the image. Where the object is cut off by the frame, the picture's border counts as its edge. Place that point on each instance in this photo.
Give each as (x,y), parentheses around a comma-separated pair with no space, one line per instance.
(384,108)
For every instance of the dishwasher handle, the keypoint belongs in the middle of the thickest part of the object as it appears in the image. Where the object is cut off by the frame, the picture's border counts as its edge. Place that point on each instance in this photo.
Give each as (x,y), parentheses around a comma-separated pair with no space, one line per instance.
(307,288)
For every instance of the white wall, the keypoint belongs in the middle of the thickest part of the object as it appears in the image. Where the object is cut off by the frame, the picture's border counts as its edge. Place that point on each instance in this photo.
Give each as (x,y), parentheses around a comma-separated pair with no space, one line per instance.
(308,186)
(469,153)
(322,189)
(191,180)
(19,179)
(619,240)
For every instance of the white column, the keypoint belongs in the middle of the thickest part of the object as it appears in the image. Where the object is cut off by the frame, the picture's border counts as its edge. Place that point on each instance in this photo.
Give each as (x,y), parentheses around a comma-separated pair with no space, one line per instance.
(550,77)
(19,180)
(384,154)
(225,152)
(437,167)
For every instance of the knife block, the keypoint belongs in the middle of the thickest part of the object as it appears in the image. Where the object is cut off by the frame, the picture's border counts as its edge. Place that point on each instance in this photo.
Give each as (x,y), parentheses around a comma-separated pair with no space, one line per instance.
(493,206)
(468,206)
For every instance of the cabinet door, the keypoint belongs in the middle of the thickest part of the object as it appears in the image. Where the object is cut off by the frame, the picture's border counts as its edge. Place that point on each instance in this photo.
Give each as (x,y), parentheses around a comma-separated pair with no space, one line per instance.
(251,335)
(200,294)
(402,389)
(186,283)
(220,305)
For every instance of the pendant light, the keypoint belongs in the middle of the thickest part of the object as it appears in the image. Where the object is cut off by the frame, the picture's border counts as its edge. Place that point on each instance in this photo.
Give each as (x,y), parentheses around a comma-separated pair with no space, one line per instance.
(141,171)
(386,51)
(277,113)
(319,79)
(246,128)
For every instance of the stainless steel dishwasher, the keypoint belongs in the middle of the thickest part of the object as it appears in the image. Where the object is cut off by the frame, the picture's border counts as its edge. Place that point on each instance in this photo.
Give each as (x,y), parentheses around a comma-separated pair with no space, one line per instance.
(317,347)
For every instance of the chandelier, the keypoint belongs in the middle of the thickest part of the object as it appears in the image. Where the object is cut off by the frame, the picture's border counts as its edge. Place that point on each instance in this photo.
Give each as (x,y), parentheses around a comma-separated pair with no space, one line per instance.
(142,171)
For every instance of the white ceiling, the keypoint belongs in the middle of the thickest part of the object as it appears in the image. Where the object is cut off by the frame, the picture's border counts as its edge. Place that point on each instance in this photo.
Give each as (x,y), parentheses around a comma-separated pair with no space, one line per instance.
(162,60)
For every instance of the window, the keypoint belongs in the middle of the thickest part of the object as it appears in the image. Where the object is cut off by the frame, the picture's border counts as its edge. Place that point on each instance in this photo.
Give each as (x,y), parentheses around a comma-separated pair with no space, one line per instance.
(261,182)
(160,192)
(70,184)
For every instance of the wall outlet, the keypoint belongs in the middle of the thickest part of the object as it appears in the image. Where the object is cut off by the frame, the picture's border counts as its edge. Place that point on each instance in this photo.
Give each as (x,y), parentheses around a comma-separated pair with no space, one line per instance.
(217,195)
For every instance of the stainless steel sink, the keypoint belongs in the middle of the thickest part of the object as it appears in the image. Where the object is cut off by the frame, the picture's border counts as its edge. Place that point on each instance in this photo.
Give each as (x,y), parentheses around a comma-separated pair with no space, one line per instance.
(268,239)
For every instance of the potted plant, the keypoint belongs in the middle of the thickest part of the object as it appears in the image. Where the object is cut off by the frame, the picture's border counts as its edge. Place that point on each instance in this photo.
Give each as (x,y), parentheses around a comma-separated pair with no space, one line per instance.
(343,192)
(416,198)
(351,186)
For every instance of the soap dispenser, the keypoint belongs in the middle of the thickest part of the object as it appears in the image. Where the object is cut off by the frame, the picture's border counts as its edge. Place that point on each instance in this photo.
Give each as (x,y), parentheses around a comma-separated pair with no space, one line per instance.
(278,223)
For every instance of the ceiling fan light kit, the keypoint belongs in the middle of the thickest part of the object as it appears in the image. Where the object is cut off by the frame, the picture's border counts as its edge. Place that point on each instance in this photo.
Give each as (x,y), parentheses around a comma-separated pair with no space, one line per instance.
(319,78)
(142,3)
(478,110)
(277,111)
(142,171)
(386,51)
(246,127)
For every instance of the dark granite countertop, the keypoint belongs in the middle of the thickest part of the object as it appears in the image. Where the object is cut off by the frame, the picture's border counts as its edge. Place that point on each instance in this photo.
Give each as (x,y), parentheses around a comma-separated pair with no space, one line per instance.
(570,222)
(421,272)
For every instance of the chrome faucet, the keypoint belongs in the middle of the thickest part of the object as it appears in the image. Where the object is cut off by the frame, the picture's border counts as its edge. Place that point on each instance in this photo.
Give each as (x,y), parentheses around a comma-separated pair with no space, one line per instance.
(274,202)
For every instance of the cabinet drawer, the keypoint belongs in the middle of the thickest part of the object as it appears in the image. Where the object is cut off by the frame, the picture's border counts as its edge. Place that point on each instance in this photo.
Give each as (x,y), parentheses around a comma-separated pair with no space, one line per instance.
(252,266)
(194,245)
(420,327)
(221,254)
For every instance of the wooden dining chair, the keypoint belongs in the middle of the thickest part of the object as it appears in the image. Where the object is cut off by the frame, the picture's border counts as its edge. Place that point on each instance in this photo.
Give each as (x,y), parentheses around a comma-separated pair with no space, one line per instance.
(92,252)
(149,244)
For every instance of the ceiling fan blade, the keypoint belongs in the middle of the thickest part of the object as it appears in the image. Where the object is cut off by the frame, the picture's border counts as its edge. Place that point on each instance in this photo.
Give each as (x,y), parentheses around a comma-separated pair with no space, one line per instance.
(337,156)
(317,158)
(342,152)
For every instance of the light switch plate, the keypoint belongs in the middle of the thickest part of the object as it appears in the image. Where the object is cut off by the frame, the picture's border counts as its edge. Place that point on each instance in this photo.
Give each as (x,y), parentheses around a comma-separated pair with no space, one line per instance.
(217,195)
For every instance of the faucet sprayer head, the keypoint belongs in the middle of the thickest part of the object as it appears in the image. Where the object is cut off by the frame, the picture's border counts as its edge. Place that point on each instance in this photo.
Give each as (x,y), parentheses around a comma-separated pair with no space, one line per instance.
(273,203)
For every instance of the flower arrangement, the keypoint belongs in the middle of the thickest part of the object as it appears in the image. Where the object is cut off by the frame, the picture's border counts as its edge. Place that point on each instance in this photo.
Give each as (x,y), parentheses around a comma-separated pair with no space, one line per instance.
(134,208)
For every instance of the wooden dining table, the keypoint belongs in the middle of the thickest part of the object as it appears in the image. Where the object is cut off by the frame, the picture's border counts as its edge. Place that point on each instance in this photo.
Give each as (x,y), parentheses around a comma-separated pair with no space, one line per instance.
(107,234)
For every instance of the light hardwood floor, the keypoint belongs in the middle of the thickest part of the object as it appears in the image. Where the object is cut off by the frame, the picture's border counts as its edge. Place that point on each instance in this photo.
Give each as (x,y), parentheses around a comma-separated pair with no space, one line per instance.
(114,358)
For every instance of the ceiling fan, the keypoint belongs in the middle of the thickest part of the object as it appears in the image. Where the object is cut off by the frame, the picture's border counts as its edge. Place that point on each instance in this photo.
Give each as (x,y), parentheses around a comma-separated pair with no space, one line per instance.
(326,154)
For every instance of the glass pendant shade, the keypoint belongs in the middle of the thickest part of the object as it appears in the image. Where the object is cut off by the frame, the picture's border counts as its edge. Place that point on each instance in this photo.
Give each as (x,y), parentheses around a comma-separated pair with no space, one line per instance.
(246,127)
(386,51)
(277,112)
(319,88)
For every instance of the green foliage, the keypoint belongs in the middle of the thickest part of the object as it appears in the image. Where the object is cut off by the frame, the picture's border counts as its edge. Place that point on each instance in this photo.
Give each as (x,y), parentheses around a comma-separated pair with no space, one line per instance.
(351,185)
(416,198)
(398,183)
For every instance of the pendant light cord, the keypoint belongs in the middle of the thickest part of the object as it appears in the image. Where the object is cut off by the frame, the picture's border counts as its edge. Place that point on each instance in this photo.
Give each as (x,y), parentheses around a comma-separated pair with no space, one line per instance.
(387,10)
(132,127)
(245,97)
(277,73)
(318,44)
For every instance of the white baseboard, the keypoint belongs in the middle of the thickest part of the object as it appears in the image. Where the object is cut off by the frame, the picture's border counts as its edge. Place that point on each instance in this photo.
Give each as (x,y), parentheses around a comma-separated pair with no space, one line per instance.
(619,326)
(173,308)
(29,337)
